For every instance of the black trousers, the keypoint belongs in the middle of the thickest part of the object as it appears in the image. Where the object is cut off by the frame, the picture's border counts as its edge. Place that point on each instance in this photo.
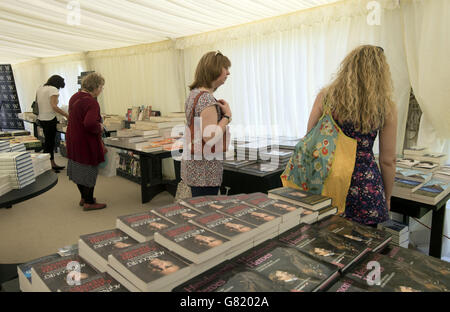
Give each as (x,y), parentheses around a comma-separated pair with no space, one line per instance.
(87,193)
(204,190)
(49,127)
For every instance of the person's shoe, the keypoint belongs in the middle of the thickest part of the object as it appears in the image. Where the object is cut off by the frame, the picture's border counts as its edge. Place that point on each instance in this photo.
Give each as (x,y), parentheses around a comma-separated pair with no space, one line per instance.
(96,206)
(58,167)
(82,201)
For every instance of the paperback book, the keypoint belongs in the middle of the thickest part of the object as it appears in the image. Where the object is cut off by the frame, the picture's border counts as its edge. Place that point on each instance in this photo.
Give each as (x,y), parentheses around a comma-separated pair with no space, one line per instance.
(60,272)
(192,242)
(200,203)
(325,245)
(102,282)
(432,191)
(149,266)
(24,271)
(286,210)
(374,239)
(143,225)
(263,219)
(176,213)
(301,198)
(96,247)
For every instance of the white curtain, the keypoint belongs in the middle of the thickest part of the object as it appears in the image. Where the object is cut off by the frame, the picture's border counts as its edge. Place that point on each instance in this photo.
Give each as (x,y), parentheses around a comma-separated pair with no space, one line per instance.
(278,66)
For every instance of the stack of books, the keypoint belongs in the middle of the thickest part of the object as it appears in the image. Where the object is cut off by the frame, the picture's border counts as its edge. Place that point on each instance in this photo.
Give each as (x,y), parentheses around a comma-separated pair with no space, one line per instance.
(251,150)
(409,180)
(17,147)
(261,169)
(5,184)
(113,122)
(236,164)
(41,163)
(19,167)
(279,156)
(398,231)
(4,146)
(314,202)
(443,173)
(29,141)
(432,191)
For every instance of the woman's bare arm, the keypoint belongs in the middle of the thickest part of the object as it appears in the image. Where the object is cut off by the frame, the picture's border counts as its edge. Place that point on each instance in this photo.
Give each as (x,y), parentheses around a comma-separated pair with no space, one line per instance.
(387,146)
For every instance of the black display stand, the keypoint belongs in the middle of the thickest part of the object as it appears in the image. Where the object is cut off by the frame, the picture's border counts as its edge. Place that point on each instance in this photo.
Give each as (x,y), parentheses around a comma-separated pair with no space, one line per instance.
(9,101)
(151,180)
(43,183)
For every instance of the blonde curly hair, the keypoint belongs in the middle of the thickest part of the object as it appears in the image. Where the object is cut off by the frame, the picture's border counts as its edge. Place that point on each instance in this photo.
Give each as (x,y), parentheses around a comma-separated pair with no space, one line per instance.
(361,94)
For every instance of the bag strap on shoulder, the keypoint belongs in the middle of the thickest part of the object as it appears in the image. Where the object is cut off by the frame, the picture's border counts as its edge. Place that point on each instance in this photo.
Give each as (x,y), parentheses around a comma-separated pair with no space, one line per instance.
(195,104)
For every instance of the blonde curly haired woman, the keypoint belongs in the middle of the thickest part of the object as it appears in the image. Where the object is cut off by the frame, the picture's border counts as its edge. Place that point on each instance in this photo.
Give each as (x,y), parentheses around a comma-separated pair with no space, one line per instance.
(360,101)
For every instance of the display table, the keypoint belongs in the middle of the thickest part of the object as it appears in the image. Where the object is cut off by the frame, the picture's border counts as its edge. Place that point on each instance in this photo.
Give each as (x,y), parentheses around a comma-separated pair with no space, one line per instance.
(43,183)
(152,182)
(411,208)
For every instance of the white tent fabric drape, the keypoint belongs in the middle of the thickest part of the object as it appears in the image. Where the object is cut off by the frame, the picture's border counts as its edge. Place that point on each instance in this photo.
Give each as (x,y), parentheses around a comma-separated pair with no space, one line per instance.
(279,66)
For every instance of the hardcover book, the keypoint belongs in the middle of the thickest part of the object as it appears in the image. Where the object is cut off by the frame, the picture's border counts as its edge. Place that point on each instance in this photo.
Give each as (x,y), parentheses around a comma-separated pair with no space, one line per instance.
(324,245)
(393,276)
(102,282)
(149,266)
(96,247)
(192,242)
(143,225)
(374,239)
(60,272)
(287,267)
(301,198)
(177,214)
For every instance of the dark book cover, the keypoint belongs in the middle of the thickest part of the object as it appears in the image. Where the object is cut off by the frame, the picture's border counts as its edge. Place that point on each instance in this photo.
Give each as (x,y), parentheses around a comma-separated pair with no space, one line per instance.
(345,284)
(145,223)
(434,267)
(229,277)
(300,196)
(374,239)
(261,169)
(389,275)
(287,267)
(106,242)
(26,267)
(64,271)
(324,245)
(249,214)
(393,226)
(275,206)
(102,282)
(200,203)
(193,238)
(223,224)
(150,261)
(177,213)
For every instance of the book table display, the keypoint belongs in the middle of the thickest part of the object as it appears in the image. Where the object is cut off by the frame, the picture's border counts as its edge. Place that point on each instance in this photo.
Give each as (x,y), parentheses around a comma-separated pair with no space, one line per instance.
(151,179)
(43,183)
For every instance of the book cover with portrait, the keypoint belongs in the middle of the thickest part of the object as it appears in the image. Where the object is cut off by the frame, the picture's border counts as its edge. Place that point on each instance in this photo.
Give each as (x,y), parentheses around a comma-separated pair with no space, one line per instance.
(96,247)
(324,245)
(279,207)
(389,275)
(176,213)
(60,272)
(301,198)
(288,268)
(192,242)
(374,239)
(102,282)
(250,214)
(149,266)
(143,225)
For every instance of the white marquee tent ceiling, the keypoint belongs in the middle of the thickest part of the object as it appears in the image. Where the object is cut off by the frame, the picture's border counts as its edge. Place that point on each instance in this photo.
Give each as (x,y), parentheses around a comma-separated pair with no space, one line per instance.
(31,29)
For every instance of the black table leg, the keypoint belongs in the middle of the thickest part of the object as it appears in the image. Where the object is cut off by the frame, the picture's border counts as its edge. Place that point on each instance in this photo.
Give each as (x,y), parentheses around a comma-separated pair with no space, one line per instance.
(437,227)
(151,177)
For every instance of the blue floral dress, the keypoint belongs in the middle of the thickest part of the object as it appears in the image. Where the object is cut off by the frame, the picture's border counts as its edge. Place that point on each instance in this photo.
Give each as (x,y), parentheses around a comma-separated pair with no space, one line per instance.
(366,201)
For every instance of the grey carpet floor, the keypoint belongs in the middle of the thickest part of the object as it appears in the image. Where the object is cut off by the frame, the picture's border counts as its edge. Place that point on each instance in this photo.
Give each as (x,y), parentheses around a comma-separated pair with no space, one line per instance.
(39,226)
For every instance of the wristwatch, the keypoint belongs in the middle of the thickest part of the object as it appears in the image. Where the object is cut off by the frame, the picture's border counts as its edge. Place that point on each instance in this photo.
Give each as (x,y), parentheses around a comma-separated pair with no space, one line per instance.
(227,117)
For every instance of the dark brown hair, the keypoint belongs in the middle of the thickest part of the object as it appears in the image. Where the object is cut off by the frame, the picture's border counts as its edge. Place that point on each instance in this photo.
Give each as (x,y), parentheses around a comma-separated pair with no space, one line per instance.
(209,68)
